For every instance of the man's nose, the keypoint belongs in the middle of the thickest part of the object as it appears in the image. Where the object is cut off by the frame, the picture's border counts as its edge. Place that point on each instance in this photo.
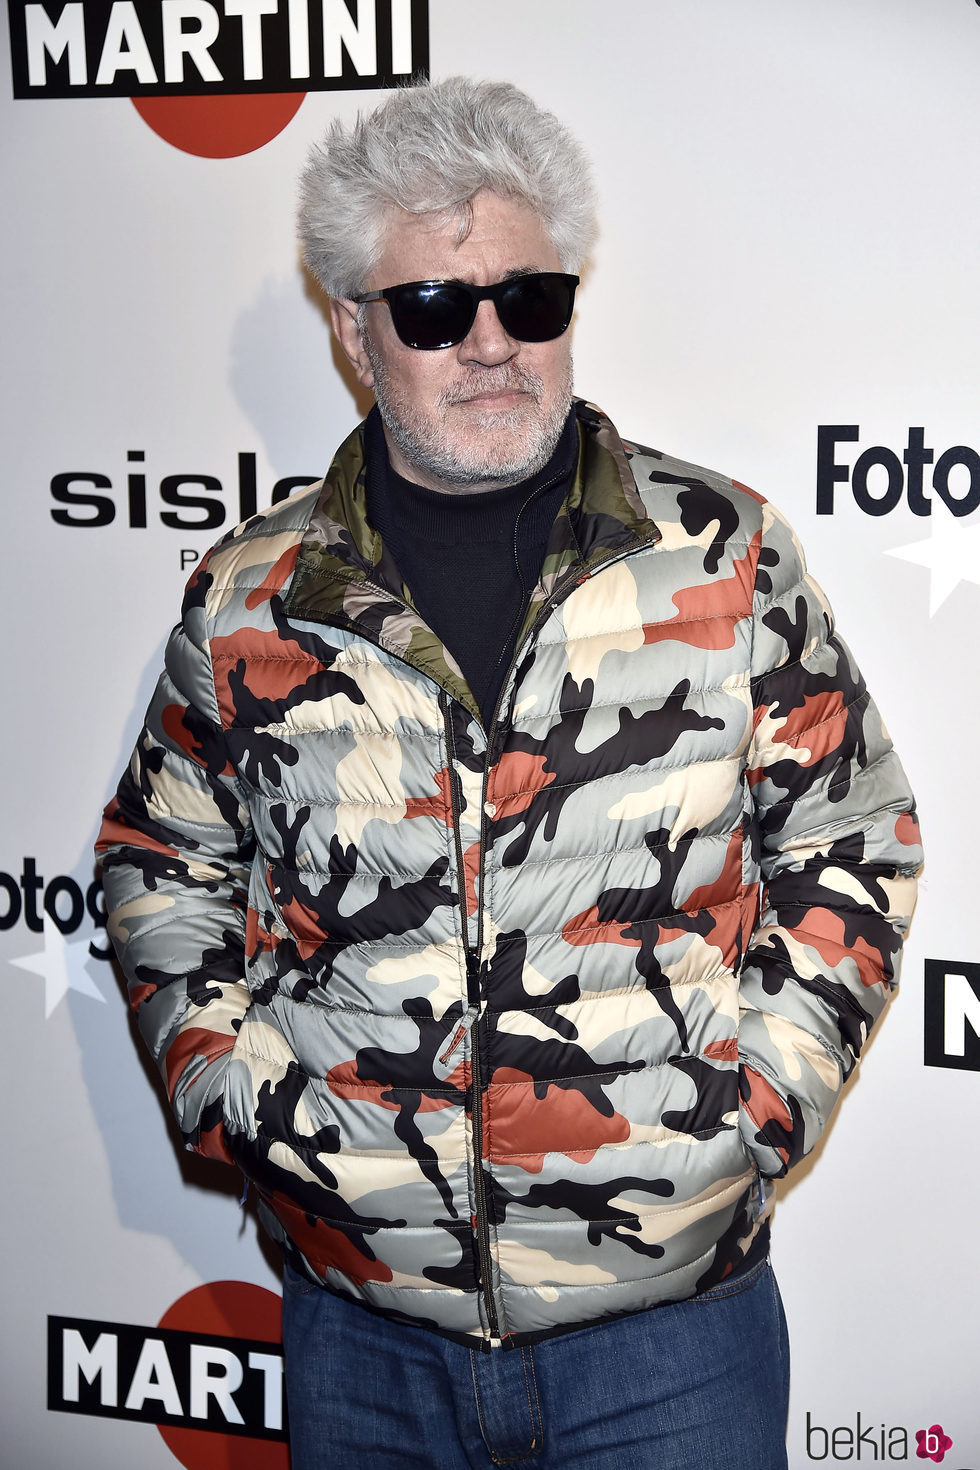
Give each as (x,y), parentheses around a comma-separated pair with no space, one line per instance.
(486,343)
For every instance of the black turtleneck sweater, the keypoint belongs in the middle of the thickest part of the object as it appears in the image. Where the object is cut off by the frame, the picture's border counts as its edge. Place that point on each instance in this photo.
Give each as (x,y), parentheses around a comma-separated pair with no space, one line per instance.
(470,560)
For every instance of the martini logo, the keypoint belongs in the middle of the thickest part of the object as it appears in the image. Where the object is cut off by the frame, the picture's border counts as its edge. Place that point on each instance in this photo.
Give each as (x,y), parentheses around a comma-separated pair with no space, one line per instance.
(212,1370)
(217,78)
(952,1015)
(881,478)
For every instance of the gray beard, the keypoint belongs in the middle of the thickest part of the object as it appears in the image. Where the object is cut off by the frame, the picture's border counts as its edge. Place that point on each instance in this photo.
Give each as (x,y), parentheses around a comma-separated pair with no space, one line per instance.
(438,453)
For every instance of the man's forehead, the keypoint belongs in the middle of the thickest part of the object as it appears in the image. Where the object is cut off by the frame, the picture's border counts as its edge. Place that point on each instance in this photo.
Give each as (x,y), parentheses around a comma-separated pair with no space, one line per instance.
(495,239)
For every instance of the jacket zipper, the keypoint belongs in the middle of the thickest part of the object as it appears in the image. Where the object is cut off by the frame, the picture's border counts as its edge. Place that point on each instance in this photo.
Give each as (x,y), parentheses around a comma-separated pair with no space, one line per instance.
(479,1183)
(473,954)
(473,997)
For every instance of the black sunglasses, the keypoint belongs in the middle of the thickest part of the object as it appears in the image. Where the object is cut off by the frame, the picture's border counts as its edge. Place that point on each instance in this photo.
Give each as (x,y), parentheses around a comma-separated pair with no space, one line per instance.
(536,307)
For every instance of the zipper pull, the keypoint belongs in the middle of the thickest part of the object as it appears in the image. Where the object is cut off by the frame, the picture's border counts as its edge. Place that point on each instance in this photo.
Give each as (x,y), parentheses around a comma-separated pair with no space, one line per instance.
(458,1036)
(473,968)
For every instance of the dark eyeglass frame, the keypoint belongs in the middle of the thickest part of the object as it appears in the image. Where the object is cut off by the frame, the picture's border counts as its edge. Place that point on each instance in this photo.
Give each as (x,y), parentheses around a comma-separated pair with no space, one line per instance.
(516,314)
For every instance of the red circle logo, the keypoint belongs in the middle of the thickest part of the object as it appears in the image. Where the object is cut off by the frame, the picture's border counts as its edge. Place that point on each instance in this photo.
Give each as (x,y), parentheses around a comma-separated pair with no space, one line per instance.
(219,127)
(226,1309)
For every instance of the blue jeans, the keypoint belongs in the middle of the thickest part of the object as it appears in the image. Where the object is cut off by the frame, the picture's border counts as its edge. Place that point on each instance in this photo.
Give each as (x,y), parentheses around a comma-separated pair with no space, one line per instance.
(698,1385)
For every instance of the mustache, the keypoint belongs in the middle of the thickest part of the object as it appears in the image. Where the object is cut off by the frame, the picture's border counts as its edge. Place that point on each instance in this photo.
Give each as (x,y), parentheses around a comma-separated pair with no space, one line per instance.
(509,377)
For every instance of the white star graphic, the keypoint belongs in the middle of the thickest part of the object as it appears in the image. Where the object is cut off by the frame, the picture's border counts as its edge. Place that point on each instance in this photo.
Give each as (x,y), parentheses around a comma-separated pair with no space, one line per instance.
(951,552)
(61,964)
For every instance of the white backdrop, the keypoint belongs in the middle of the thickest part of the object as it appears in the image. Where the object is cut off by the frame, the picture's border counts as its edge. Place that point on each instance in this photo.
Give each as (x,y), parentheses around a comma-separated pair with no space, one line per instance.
(790,218)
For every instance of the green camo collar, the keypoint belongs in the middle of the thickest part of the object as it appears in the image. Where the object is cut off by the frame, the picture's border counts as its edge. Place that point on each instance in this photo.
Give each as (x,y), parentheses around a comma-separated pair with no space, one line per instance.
(344,575)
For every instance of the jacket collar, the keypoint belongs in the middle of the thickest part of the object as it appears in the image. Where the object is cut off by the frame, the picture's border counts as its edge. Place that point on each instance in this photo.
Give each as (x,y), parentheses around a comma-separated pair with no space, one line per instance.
(345,576)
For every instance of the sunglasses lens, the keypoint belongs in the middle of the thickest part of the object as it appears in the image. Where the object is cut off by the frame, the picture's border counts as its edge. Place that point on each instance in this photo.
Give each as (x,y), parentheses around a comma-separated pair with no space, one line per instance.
(433,314)
(537,308)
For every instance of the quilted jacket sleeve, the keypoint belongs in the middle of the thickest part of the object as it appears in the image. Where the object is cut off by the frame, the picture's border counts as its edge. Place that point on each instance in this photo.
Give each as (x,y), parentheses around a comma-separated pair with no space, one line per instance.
(839,855)
(176,851)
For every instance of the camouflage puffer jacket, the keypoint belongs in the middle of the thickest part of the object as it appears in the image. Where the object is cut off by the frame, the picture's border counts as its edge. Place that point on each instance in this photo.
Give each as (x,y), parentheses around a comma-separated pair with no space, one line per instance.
(510,1026)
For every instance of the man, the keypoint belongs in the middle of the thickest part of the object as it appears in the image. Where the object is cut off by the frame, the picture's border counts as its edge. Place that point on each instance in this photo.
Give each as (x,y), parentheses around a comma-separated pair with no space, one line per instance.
(513,863)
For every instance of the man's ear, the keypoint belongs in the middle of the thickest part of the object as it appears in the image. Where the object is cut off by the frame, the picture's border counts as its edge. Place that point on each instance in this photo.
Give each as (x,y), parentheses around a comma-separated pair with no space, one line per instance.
(343,318)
